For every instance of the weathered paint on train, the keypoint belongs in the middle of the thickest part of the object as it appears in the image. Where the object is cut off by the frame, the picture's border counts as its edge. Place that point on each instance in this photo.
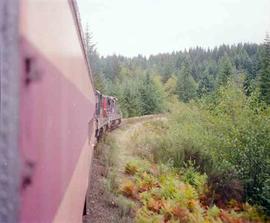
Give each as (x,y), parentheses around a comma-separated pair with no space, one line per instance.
(57,106)
(50,112)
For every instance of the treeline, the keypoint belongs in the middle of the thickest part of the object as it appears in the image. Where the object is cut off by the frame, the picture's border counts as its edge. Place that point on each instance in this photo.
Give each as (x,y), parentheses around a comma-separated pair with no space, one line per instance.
(188,74)
(223,130)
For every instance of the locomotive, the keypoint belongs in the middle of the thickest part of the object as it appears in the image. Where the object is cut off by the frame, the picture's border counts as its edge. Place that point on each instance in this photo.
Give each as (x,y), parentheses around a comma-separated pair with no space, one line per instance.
(51,113)
(108,114)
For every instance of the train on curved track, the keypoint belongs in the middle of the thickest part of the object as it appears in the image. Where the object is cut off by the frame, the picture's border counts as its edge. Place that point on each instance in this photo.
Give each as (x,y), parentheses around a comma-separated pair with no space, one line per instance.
(51,114)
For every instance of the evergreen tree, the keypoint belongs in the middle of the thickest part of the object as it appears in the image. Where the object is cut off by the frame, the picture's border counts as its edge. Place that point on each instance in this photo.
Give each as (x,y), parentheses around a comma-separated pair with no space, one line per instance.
(265,72)
(225,70)
(248,84)
(151,96)
(112,67)
(99,81)
(206,84)
(129,97)
(170,86)
(90,46)
(91,51)
(186,86)
(93,57)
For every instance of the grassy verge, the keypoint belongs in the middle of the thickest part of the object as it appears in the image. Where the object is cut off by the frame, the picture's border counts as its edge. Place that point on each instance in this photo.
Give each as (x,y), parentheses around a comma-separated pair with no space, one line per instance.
(108,152)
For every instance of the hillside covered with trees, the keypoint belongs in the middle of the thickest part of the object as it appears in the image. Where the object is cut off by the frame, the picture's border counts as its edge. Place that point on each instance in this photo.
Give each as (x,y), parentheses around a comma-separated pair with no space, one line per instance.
(188,74)
(217,105)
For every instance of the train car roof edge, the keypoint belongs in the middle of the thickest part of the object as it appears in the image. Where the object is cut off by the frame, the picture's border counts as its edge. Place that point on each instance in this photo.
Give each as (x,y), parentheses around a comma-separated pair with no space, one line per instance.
(76,14)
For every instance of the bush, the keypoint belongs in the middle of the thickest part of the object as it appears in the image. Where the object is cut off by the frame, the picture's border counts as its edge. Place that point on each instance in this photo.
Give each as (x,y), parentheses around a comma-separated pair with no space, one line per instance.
(194,178)
(226,135)
(168,195)
(245,141)
(125,205)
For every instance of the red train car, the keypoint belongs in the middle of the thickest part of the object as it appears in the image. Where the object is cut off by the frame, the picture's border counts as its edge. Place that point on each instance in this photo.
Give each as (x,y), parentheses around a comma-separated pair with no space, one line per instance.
(47,112)
(108,114)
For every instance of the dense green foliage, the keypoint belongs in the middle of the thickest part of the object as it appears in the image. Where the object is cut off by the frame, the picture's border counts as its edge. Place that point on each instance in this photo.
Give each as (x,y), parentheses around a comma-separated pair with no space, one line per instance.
(197,72)
(164,194)
(244,58)
(225,71)
(185,86)
(219,112)
(265,73)
(225,135)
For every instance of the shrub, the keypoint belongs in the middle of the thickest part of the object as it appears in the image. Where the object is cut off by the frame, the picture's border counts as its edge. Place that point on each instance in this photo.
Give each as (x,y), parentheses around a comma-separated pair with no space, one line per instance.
(125,205)
(111,183)
(213,212)
(129,189)
(227,136)
(137,165)
(131,168)
(146,216)
(194,178)
(168,196)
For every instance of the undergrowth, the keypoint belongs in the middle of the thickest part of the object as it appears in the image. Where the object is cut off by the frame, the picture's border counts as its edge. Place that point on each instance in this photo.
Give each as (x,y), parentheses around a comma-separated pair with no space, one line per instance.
(107,151)
(206,161)
(165,194)
(220,146)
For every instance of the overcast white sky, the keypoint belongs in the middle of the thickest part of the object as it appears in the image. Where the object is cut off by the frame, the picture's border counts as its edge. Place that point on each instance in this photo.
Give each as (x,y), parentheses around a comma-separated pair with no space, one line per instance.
(132,27)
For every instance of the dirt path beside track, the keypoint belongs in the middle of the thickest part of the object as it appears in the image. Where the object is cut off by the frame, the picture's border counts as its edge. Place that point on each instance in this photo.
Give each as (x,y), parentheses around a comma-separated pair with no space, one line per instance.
(102,208)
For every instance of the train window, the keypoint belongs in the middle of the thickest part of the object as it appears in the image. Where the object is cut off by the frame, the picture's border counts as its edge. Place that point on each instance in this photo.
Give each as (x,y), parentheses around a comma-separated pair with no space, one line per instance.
(109,105)
(112,106)
(98,103)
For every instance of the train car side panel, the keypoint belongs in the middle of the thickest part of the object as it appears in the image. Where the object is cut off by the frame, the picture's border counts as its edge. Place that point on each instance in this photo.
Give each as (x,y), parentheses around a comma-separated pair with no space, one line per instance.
(57,105)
